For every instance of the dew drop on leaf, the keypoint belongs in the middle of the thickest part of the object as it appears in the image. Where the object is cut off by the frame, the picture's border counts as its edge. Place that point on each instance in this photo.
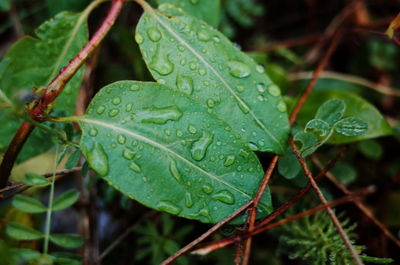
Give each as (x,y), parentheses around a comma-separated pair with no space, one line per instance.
(184,84)
(168,207)
(274,90)
(121,139)
(260,68)
(173,169)
(160,63)
(154,34)
(199,148)
(113,112)
(100,109)
(261,87)
(135,167)
(203,35)
(139,38)
(207,189)
(188,200)
(98,159)
(128,153)
(224,196)
(161,115)
(116,101)
(192,129)
(281,106)
(230,159)
(238,69)
(93,132)
(243,107)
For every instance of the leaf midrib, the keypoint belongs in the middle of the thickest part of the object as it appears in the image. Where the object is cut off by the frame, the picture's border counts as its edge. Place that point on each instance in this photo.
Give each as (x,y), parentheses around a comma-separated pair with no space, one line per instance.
(183,42)
(164,148)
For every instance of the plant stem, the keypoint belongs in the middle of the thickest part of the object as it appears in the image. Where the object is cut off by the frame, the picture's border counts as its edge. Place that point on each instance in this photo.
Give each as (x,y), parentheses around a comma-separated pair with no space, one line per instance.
(42,107)
(50,206)
(329,210)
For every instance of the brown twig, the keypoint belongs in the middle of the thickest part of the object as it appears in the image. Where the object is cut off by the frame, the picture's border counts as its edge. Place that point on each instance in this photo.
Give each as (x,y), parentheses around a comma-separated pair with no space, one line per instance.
(358,203)
(330,212)
(42,105)
(262,228)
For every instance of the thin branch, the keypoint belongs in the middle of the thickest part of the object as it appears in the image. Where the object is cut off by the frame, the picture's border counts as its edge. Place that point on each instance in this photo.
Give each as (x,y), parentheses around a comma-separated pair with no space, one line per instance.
(42,105)
(330,212)
(358,203)
(385,90)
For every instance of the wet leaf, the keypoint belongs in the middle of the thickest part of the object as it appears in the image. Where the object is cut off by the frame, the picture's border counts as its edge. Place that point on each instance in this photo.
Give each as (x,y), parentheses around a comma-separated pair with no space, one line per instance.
(318,125)
(189,55)
(331,111)
(162,149)
(33,63)
(351,126)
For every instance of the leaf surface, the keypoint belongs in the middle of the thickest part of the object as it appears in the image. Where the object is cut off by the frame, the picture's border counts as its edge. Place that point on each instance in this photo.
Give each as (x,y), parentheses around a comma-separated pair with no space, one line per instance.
(207,10)
(163,149)
(22,232)
(28,204)
(187,54)
(34,62)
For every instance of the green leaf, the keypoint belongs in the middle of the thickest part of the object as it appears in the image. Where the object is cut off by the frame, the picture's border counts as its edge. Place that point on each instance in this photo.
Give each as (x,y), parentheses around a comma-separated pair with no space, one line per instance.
(355,107)
(309,143)
(28,204)
(66,241)
(5,5)
(288,165)
(344,172)
(164,150)
(189,55)
(21,232)
(25,254)
(34,62)
(207,10)
(351,126)
(331,111)
(67,259)
(73,159)
(318,125)
(371,149)
(65,200)
(35,180)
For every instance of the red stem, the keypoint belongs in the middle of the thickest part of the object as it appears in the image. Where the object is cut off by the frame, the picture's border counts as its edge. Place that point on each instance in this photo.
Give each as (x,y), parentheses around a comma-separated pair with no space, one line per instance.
(42,107)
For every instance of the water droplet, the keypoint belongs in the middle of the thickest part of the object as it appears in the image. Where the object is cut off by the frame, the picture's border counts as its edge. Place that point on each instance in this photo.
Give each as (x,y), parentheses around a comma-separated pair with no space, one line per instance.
(161,115)
(188,200)
(168,207)
(192,129)
(224,196)
(274,90)
(211,103)
(261,87)
(173,169)
(128,107)
(202,72)
(281,106)
(181,48)
(216,39)
(207,188)
(244,153)
(154,34)
(128,153)
(93,132)
(230,159)
(139,38)
(167,132)
(260,68)
(243,107)
(160,63)
(206,213)
(113,112)
(240,88)
(184,84)
(100,109)
(260,98)
(121,139)
(116,101)
(192,66)
(179,133)
(203,35)
(238,69)
(252,146)
(135,167)
(194,1)
(199,148)
(134,87)
(183,62)
(97,159)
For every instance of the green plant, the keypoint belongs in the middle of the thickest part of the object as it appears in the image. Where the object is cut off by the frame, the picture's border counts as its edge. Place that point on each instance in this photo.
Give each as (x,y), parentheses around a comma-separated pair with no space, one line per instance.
(189,143)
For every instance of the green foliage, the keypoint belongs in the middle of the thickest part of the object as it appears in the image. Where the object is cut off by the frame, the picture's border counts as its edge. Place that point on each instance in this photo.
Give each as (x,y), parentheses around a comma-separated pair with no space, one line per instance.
(28,204)
(65,200)
(167,145)
(36,180)
(315,240)
(58,41)
(189,55)
(66,241)
(207,10)
(22,232)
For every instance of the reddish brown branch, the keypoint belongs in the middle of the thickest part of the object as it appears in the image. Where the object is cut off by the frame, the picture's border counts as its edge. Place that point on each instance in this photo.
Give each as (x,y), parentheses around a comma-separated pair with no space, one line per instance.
(42,106)
(358,203)
(329,210)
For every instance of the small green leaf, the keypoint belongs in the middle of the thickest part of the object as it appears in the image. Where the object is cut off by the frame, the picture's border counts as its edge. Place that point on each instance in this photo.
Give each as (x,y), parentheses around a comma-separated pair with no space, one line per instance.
(288,165)
(67,259)
(73,159)
(25,254)
(207,10)
(65,200)
(371,149)
(344,172)
(351,126)
(309,143)
(28,204)
(318,125)
(331,111)
(21,232)
(35,180)
(5,5)
(190,56)
(66,241)
(160,147)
